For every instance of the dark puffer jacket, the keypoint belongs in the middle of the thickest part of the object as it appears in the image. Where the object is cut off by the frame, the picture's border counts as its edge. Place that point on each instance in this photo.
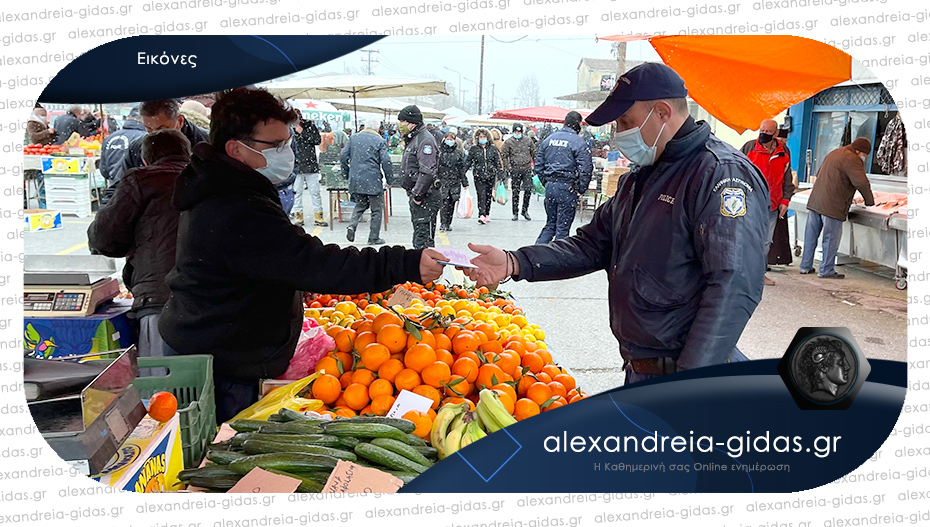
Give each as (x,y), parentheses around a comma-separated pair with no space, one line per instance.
(484,160)
(306,143)
(451,167)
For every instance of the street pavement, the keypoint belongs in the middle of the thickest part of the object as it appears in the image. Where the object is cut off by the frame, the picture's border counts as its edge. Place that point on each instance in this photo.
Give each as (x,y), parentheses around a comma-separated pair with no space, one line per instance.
(574,313)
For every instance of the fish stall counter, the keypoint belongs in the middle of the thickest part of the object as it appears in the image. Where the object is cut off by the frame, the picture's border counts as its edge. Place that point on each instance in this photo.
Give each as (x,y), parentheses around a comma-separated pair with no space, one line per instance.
(876,234)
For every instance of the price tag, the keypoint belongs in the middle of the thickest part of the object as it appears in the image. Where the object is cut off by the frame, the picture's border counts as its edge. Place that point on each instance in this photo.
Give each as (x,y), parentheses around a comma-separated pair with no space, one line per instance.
(354,479)
(401,298)
(407,401)
(259,481)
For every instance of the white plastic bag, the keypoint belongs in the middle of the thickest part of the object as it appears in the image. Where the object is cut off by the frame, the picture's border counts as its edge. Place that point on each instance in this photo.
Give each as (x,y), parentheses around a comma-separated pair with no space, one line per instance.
(464,208)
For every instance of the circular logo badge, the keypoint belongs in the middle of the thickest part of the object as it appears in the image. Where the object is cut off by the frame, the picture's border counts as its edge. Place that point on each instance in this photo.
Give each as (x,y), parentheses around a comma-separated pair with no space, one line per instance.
(824,368)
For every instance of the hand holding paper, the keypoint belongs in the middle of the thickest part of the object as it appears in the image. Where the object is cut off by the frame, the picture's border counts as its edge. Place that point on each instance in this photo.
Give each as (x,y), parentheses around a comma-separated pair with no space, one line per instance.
(491,265)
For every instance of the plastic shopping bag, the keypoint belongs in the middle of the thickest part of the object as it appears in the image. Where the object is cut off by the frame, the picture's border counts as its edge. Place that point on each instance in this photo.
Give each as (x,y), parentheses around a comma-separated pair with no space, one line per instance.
(283,397)
(501,193)
(538,187)
(312,346)
(464,208)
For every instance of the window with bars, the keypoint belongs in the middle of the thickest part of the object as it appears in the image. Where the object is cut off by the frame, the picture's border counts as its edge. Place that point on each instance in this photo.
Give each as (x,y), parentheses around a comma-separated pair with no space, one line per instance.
(854,96)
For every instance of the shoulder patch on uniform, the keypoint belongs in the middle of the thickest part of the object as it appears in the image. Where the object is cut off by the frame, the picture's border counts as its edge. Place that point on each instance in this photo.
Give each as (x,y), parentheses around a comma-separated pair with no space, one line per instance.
(427,149)
(733,202)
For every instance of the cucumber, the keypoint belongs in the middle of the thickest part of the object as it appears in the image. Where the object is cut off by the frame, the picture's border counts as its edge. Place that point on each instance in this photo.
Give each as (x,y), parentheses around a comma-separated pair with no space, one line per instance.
(290,415)
(286,461)
(293,427)
(403,425)
(427,451)
(247,425)
(406,477)
(387,458)
(305,439)
(348,442)
(401,448)
(258,446)
(412,440)
(277,418)
(306,484)
(221,483)
(206,471)
(223,457)
(362,430)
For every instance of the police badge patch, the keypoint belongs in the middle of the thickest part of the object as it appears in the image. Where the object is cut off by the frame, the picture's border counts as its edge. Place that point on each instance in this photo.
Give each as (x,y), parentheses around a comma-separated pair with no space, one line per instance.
(427,149)
(733,202)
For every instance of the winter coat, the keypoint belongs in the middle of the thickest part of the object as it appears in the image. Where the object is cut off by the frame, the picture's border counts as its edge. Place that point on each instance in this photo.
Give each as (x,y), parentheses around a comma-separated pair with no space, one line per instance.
(196,118)
(65,125)
(38,131)
(420,164)
(364,159)
(240,265)
(141,224)
(684,265)
(564,157)
(133,157)
(840,174)
(518,154)
(776,167)
(306,142)
(115,147)
(452,167)
(496,139)
(485,161)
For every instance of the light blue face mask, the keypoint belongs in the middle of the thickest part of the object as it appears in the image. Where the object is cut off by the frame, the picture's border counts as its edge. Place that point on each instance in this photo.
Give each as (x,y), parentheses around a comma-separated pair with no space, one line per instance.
(449,142)
(630,143)
(517,135)
(482,141)
(278,165)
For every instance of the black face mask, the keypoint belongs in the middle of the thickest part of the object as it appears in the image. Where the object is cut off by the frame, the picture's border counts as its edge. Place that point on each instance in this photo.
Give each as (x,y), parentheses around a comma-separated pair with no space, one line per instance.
(765,138)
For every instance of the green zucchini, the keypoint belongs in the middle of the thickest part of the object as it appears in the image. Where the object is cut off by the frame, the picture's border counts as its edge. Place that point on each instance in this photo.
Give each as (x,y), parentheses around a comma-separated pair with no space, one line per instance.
(286,461)
(401,448)
(258,446)
(247,425)
(223,457)
(362,430)
(306,484)
(387,458)
(403,425)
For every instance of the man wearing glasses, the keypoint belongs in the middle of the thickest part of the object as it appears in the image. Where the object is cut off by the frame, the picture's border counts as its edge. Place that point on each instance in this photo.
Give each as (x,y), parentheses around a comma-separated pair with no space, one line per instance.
(241,263)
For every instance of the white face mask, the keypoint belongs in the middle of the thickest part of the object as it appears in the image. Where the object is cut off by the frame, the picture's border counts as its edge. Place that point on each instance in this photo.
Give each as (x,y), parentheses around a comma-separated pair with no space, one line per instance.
(278,165)
(630,143)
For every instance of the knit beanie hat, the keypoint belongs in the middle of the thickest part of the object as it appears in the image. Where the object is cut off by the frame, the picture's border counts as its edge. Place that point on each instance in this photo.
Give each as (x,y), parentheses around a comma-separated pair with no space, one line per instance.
(411,114)
(862,145)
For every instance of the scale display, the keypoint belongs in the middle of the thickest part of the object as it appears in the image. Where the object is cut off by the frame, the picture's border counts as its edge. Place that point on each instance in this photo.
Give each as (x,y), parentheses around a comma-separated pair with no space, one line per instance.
(68,301)
(62,301)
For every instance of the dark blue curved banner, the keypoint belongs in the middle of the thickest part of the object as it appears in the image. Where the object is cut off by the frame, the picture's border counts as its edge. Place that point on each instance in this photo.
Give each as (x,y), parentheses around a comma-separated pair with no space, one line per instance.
(728,428)
(219,63)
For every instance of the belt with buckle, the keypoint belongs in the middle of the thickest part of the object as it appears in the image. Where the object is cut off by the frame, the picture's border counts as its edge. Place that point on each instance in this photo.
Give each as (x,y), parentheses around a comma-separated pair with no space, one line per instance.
(653,366)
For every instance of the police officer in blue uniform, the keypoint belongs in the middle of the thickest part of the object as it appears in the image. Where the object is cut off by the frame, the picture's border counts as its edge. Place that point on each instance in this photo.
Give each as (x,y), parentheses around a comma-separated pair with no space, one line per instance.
(682,241)
(563,164)
(420,170)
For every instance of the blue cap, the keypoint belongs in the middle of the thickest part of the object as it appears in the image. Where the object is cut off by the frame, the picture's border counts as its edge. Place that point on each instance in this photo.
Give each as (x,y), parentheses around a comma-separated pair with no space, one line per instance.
(647,82)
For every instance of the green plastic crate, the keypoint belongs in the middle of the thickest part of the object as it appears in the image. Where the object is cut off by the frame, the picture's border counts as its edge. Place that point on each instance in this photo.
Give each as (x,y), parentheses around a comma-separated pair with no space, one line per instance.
(190,379)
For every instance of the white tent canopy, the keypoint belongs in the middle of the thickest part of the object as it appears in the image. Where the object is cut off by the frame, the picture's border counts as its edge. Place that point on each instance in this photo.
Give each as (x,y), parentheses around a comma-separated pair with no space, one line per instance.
(479,120)
(359,86)
(385,105)
(314,110)
(455,112)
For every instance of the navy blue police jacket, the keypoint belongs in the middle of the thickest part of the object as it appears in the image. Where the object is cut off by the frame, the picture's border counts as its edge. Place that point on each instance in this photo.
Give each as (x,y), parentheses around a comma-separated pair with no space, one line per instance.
(564,157)
(684,264)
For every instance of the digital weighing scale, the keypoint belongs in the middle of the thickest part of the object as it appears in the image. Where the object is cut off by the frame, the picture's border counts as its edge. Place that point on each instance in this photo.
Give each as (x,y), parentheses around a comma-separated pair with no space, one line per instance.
(86,430)
(53,287)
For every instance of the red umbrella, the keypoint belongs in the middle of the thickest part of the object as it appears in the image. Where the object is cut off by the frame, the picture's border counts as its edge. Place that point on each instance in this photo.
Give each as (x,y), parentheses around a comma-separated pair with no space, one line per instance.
(547,114)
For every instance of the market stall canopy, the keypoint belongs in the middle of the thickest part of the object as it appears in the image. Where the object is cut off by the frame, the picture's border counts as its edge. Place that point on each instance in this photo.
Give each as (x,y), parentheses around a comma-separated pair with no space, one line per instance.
(452,111)
(358,86)
(319,110)
(743,79)
(479,120)
(546,114)
(384,105)
(585,96)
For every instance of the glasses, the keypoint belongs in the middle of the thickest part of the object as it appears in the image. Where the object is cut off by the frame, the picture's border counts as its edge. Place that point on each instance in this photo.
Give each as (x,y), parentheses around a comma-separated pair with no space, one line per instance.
(279,146)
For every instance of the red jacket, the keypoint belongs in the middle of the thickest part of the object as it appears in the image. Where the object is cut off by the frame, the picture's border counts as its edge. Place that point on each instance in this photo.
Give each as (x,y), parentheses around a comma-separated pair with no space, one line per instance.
(776,167)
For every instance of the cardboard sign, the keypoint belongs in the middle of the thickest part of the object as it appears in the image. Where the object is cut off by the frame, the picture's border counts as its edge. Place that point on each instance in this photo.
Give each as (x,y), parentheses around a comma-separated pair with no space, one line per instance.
(259,481)
(407,401)
(350,478)
(401,298)
(225,432)
(456,258)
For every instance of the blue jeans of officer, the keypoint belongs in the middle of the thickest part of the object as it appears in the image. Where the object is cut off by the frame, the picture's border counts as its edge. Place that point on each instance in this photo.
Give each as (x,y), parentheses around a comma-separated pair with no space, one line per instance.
(560,205)
(832,233)
(630,376)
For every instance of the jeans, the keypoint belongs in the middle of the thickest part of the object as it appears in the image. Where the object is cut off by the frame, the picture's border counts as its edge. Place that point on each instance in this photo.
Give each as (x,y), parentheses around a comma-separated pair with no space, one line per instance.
(152,345)
(483,189)
(312,182)
(631,376)
(521,180)
(832,233)
(362,203)
(560,205)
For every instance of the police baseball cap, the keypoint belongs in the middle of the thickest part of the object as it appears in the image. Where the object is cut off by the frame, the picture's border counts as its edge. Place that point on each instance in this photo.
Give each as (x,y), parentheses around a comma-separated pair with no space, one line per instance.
(647,82)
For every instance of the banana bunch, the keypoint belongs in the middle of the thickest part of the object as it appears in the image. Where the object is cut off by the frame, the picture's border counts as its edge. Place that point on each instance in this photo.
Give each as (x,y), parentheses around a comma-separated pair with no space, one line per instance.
(492,413)
(455,427)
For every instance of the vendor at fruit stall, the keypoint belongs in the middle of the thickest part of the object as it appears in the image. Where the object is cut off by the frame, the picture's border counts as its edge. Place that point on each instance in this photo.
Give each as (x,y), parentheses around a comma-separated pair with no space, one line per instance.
(240,262)
(680,302)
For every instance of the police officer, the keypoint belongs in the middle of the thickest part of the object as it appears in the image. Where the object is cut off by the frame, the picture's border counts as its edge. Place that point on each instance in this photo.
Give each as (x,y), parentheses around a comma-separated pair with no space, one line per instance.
(419,168)
(682,241)
(563,165)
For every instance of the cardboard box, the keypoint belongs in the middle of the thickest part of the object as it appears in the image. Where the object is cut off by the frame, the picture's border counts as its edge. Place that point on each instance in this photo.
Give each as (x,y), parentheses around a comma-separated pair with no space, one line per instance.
(149,460)
(42,220)
(612,179)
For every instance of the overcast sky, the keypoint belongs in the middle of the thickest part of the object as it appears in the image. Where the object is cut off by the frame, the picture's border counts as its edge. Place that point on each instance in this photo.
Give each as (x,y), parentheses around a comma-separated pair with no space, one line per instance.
(554,59)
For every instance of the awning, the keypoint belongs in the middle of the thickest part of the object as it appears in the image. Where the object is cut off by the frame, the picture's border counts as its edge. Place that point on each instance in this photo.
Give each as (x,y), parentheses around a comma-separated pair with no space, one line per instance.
(313,110)
(547,114)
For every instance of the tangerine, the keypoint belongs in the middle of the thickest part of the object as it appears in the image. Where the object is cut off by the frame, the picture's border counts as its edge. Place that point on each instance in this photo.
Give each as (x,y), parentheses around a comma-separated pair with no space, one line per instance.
(356,396)
(385,318)
(443,342)
(162,406)
(328,365)
(465,341)
(326,388)
(430,393)
(567,381)
(457,386)
(436,374)
(525,408)
(425,338)
(345,340)
(346,379)
(381,404)
(374,355)
(539,392)
(419,357)
(380,387)
(393,337)
(407,379)
(505,399)
(363,377)
(489,375)
(390,369)
(345,411)
(422,421)
(363,339)
(557,389)
(465,367)
(533,361)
